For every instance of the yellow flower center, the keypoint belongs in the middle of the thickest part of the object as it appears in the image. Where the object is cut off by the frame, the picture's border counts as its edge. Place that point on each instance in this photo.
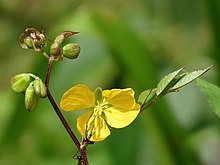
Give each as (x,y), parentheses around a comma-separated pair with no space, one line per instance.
(100,107)
(98,110)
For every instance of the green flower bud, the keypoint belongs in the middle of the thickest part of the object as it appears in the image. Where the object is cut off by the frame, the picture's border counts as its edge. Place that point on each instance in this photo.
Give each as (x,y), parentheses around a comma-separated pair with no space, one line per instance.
(28,42)
(31,99)
(20,82)
(55,49)
(71,50)
(39,88)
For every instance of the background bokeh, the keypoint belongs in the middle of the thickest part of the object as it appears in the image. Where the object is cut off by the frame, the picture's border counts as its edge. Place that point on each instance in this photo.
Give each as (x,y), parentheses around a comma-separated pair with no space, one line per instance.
(125,43)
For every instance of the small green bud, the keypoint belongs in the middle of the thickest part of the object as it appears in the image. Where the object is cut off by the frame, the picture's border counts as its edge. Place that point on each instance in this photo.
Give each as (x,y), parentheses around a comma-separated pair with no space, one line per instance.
(40,88)
(28,42)
(31,99)
(55,49)
(20,82)
(71,50)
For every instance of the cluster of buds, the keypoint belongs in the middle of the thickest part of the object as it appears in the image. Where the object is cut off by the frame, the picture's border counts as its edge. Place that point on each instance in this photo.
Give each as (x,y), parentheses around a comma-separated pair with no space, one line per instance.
(32,39)
(31,86)
(71,50)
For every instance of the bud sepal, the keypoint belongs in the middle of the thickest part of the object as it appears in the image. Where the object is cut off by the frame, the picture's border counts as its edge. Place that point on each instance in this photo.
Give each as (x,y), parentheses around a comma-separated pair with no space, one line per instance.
(20,82)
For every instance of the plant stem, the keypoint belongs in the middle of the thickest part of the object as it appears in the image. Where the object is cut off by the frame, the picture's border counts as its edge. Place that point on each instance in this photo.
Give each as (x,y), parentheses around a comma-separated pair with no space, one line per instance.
(61,117)
(148,105)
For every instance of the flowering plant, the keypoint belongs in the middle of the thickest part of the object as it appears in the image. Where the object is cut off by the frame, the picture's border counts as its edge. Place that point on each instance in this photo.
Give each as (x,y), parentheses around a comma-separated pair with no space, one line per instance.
(107,109)
(116,108)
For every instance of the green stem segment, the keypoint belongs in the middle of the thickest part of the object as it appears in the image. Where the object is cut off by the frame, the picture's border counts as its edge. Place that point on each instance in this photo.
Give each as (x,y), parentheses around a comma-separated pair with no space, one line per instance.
(62,119)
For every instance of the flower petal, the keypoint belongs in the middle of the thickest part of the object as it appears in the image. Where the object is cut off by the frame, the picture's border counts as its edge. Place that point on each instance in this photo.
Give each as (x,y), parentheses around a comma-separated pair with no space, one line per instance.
(100,130)
(94,127)
(82,122)
(119,117)
(121,98)
(77,98)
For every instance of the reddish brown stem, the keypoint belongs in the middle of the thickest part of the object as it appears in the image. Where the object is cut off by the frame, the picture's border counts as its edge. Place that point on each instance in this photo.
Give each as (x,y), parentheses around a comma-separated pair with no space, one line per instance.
(61,117)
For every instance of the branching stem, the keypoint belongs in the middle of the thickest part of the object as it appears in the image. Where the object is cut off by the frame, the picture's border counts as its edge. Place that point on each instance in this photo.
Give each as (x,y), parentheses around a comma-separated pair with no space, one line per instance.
(61,117)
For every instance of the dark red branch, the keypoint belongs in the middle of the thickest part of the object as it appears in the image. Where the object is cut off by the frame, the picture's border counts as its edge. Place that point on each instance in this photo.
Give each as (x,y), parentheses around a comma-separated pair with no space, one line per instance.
(61,117)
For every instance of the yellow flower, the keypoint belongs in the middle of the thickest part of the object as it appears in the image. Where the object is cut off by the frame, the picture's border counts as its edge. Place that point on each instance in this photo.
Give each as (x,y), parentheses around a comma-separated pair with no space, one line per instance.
(116,108)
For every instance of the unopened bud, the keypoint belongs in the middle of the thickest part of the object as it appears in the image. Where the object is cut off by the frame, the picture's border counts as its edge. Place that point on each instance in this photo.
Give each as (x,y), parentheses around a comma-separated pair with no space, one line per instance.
(31,99)
(55,49)
(71,50)
(32,39)
(39,88)
(20,82)
(28,42)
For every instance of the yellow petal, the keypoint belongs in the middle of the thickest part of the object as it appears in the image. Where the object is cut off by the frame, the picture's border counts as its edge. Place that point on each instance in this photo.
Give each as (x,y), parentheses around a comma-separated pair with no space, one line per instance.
(77,98)
(94,127)
(121,98)
(100,130)
(82,122)
(119,118)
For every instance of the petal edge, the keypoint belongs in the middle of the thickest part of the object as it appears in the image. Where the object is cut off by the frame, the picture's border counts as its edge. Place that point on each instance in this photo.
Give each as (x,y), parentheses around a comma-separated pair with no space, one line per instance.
(77,98)
(119,118)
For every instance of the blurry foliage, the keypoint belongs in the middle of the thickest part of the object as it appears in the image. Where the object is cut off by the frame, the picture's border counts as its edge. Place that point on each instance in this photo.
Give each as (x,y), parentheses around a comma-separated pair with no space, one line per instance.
(124,44)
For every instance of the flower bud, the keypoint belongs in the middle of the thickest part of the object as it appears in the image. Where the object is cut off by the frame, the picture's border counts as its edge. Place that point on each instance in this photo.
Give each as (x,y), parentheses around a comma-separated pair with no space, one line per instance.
(59,39)
(62,36)
(55,49)
(28,42)
(32,39)
(20,82)
(40,41)
(39,88)
(71,50)
(31,99)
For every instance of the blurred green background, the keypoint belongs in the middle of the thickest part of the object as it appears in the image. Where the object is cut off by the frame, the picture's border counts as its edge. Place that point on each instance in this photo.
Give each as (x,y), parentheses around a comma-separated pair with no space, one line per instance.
(126,43)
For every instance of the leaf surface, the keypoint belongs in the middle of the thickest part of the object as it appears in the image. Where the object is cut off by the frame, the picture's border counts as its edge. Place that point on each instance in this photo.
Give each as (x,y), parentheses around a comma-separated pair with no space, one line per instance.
(213,94)
(166,81)
(189,77)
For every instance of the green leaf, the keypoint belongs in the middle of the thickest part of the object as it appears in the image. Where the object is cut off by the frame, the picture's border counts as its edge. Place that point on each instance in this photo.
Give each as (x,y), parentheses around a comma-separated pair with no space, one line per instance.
(143,96)
(213,94)
(189,77)
(166,82)
(146,96)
